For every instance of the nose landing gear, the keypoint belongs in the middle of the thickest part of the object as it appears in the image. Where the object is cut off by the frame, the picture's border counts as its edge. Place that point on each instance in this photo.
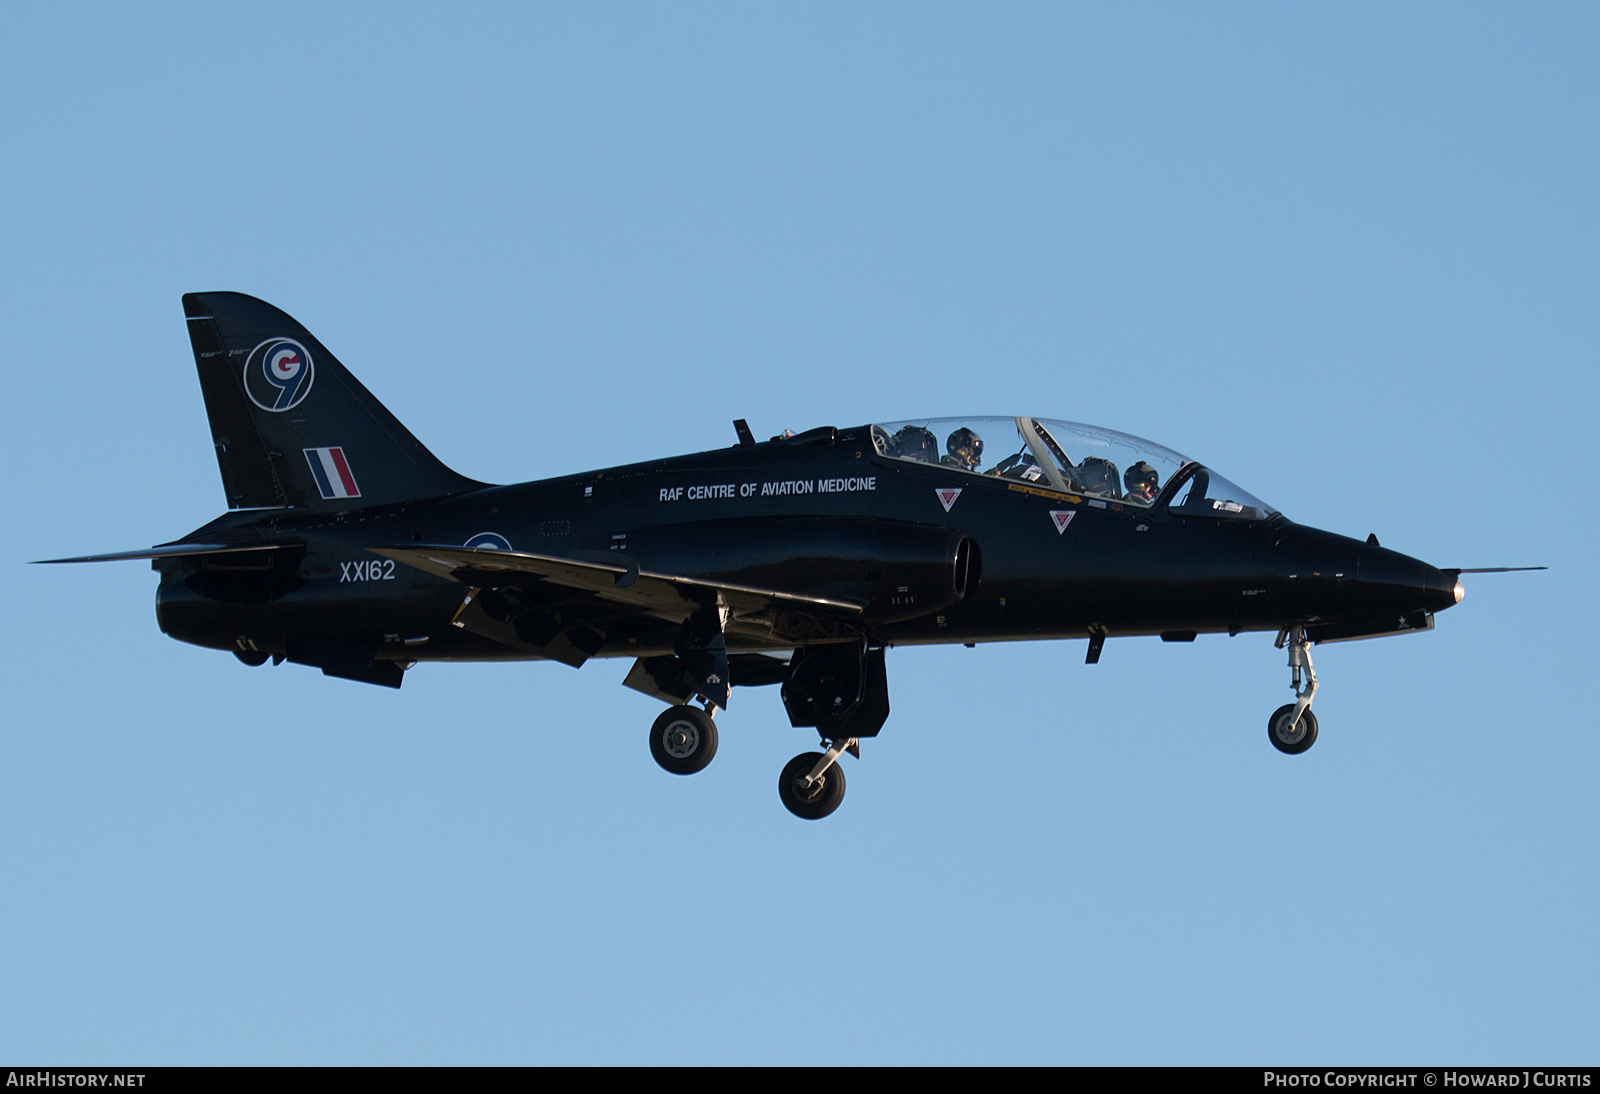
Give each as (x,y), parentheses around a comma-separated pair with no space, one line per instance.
(1288,735)
(812,784)
(1293,728)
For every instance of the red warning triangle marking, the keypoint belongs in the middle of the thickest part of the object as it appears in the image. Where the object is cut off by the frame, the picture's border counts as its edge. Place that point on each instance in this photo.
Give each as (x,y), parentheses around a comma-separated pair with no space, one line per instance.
(948,496)
(1062,517)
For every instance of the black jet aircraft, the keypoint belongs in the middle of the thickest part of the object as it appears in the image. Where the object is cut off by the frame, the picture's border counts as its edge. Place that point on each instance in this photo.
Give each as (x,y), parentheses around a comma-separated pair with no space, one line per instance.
(795,561)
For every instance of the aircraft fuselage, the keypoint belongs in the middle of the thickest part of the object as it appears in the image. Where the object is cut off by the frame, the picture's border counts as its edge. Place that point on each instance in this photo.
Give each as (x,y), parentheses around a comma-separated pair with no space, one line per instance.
(835,519)
(351,548)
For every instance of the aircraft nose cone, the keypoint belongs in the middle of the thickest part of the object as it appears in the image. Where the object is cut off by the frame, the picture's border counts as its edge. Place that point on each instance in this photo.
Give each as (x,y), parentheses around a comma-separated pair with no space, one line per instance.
(1332,577)
(1459,592)
(1398,580)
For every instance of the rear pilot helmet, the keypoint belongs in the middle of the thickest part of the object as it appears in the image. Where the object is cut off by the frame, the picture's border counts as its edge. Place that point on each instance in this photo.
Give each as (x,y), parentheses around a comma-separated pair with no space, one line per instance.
(965,446)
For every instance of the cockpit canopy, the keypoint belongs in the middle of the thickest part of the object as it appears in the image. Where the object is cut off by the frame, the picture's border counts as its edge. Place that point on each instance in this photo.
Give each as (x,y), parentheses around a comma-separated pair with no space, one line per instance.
(1070,457)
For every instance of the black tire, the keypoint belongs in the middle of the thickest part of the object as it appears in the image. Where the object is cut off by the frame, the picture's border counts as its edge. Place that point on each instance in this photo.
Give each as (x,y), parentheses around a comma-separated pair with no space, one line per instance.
(816,801)
(683,740)
(1303,737)
(254,658)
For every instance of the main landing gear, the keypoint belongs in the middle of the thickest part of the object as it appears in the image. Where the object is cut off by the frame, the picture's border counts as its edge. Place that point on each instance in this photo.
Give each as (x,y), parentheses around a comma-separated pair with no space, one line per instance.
(812,784)
(683,740)
(1293,728)
(841,690)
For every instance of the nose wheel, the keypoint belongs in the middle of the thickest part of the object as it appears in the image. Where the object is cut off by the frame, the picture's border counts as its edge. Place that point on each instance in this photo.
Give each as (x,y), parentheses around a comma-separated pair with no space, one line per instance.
(1289,735)
(1293,728)
(683,740)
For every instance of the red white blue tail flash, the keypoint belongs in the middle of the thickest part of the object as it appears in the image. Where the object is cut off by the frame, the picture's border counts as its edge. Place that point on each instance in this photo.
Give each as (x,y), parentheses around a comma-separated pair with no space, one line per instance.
(332,472)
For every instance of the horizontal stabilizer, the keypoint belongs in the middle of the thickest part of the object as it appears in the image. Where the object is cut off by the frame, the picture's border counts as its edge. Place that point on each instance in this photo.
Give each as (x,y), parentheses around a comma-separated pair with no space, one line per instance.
(1490,569)
(171,550)
(665,596)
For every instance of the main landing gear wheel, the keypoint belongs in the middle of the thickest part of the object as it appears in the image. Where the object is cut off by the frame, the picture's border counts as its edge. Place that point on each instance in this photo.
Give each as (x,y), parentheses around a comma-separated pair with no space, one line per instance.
(816,800)
(1293,739)
(683,740)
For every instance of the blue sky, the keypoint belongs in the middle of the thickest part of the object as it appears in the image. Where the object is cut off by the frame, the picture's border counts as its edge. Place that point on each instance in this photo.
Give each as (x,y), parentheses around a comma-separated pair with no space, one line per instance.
(1346,254)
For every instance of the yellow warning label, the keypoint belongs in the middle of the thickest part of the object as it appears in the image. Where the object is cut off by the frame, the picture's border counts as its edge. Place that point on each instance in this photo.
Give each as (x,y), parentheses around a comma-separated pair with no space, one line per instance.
(1054,495)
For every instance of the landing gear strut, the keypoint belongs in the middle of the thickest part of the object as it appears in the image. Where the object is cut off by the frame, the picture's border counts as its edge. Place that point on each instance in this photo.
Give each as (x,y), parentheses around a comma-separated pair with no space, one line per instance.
(1293,728)
(683,740)
(812,784)
(843,692)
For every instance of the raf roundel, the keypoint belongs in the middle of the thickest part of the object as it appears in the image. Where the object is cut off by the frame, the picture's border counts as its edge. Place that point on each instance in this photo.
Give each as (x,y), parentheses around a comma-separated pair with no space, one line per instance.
(278,374)
(489,541)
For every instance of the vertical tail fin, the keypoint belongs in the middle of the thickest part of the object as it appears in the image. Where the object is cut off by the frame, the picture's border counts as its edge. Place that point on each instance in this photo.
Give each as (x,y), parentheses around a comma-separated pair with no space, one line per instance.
(291,426)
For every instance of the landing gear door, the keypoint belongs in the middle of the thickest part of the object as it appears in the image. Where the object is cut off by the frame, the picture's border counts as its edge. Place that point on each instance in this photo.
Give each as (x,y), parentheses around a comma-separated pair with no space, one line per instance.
(842,690)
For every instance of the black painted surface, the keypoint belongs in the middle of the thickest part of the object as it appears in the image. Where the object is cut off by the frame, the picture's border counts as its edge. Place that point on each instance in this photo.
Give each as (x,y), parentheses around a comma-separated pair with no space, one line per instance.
(821,514)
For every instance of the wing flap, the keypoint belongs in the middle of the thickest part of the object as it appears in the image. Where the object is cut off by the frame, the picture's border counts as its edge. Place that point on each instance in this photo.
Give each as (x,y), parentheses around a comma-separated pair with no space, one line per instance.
(557,646)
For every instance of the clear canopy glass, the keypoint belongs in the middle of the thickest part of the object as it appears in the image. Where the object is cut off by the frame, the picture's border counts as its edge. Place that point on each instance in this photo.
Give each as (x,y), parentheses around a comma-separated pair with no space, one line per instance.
(1069,456)
(1208,494)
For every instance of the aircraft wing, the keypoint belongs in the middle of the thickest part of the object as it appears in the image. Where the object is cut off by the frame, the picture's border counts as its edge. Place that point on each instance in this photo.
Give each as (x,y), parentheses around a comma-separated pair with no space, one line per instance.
(616,579)
(666,596)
